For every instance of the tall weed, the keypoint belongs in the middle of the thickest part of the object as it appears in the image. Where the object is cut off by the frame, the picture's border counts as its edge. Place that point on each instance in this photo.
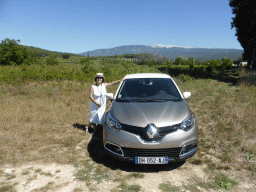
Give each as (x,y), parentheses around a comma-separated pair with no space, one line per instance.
(249,79)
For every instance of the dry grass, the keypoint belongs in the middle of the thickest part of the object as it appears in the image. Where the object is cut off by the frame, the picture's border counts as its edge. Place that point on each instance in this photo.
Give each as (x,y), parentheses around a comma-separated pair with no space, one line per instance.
(37,118)
(226,119)
(37,125)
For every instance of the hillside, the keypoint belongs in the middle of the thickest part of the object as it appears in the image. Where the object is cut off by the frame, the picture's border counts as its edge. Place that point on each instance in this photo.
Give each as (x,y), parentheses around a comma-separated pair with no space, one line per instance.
(170,52)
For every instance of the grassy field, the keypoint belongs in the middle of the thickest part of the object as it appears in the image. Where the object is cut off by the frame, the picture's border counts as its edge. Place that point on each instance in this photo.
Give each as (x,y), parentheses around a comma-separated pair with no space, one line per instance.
(42,121)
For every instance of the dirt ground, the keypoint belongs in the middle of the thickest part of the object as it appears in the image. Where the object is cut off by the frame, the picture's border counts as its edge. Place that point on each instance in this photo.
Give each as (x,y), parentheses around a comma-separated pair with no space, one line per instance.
(35,176)
(62,176)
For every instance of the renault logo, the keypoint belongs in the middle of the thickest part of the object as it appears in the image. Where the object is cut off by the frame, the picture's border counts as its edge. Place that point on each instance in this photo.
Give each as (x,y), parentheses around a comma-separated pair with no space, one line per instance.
(152,131)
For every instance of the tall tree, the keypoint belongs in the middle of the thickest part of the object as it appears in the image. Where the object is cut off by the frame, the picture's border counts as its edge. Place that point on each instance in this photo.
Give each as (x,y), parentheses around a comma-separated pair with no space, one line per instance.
(245,24)
(13,53)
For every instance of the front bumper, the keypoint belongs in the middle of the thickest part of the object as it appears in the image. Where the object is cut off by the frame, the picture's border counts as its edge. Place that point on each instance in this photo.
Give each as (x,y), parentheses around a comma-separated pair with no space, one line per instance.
(125,146)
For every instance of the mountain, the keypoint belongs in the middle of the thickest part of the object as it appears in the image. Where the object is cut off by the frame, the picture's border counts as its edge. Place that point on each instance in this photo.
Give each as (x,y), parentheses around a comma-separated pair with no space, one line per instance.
(169,51)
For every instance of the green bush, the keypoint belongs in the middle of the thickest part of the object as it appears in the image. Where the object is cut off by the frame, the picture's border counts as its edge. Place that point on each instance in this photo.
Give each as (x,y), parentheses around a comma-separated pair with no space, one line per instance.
(84,60)
(226,64)
(43,71)
(11,53)
(66,55)
(52,60)
(186,78)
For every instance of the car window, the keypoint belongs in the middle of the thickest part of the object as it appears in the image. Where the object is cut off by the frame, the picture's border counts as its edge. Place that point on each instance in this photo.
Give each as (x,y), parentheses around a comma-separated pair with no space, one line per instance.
(148,89)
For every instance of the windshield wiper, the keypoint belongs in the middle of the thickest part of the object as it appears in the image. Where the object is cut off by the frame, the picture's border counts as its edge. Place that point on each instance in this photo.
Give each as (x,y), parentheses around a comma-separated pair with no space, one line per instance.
(122,100)
(150,100)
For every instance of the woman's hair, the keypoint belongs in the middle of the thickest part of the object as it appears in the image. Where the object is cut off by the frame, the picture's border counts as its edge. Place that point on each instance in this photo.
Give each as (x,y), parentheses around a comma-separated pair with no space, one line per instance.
(99,77)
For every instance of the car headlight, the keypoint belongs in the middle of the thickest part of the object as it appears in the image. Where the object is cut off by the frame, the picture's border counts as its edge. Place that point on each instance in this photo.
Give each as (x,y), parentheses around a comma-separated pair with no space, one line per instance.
(113,123)
(188,123)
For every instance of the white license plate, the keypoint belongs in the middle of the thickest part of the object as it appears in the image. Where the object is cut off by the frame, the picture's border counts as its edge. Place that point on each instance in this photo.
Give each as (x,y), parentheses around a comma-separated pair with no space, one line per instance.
(151,160)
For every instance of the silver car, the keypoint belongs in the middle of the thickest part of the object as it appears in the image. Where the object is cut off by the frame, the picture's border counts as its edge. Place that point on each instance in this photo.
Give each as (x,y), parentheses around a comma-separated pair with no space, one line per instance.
(149,121)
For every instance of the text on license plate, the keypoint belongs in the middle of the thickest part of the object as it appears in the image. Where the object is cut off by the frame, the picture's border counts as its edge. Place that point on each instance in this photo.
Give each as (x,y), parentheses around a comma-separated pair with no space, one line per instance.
(151,160)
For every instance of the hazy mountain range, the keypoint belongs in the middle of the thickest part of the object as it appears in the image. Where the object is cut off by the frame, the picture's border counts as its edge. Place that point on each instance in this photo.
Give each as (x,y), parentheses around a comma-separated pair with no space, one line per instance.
(169,51)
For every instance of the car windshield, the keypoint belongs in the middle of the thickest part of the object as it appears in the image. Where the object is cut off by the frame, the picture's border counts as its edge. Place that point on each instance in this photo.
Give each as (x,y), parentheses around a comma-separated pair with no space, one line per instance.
(148,90)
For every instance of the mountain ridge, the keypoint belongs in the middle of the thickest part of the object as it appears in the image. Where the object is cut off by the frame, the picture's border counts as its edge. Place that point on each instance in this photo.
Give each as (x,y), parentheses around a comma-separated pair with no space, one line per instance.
(169,51)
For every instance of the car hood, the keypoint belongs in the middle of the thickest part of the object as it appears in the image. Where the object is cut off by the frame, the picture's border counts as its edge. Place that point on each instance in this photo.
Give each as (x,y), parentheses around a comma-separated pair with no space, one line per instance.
(140,114)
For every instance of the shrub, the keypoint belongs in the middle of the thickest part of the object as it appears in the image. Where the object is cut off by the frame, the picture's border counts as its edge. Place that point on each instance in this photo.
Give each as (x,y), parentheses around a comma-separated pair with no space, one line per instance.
(52,60)
(226,64)
(185,78)
(249,79)
(84,60)
(66,55)
(213,65)
(178,61)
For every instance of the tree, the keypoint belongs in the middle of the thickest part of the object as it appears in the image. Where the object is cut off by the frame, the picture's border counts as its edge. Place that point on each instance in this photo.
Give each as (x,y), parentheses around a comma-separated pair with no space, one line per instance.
(245,24)
(169,63)
(52,60)
(191,59)
(226,63)
(65,55)
(84,60)
(11,53)
(178,61)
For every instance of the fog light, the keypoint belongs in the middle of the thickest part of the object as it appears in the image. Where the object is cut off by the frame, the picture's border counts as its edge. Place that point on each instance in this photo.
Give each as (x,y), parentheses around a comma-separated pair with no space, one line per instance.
(114,148)
(187,149)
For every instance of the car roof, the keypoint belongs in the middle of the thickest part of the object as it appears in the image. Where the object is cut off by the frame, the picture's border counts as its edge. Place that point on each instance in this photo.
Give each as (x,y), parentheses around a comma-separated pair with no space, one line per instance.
(146,75)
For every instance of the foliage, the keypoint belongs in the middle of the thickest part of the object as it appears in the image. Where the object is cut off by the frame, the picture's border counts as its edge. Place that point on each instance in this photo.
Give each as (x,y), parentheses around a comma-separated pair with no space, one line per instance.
(52,60)
(245,24)
(11,53)
(250,156)
(249,79)
(214,64)
(178,61)
(168,187)
(224,182)
(129,188)
(84,60)
(129,55)
(226,63)
(146,59)
(66,55)
(186,78)
(43,52)
(169,63)
(42,71)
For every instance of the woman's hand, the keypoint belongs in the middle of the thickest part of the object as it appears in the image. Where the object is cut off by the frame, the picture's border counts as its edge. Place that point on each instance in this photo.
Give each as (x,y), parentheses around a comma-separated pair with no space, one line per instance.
(98,104)
(113,83)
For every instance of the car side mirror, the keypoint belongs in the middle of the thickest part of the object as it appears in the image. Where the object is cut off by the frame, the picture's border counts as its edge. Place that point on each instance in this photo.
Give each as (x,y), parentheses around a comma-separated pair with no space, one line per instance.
(110,96)
(186,95)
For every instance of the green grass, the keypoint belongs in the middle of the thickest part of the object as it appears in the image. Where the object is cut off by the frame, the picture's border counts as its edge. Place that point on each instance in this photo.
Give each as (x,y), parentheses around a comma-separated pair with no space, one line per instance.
(128,188)
(93,173)
(7,188)
(168,187)
(224,182)
(135,175)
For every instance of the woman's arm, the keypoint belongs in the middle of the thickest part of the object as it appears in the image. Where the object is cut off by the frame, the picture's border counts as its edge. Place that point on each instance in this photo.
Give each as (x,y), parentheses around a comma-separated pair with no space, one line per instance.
(113,83)
(91,97)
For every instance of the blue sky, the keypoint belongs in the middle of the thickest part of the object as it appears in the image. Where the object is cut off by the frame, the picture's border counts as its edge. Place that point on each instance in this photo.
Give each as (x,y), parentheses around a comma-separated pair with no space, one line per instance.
(77,26)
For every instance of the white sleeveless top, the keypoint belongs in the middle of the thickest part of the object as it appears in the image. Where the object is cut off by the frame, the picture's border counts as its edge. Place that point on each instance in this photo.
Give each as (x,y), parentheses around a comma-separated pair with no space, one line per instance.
(97,113)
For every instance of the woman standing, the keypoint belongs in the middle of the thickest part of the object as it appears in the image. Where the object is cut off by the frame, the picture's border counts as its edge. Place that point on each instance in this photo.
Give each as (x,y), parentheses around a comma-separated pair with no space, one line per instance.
(98,99)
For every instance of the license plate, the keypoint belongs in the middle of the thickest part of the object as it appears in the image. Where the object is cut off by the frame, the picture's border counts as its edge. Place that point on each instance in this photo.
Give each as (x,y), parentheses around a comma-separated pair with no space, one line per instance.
(151,160)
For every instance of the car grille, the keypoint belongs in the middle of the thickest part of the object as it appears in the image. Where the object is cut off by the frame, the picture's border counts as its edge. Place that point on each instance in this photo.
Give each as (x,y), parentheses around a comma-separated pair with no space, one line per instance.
(141,131)
(134,152)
